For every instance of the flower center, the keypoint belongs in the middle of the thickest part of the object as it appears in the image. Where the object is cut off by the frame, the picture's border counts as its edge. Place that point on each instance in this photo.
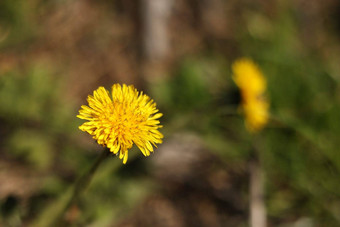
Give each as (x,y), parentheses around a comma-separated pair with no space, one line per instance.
(123,122)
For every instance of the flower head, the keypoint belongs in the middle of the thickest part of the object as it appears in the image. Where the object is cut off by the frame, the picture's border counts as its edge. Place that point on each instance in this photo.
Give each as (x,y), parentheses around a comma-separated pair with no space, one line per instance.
(129,117)
(252,85)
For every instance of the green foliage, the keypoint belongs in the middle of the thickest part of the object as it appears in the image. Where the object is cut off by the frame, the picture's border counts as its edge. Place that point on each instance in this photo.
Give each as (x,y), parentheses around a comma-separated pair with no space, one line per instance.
(33,146)
(301,156)
(11,12)
(188,88)
(24,91)
(16,22)
(299,148)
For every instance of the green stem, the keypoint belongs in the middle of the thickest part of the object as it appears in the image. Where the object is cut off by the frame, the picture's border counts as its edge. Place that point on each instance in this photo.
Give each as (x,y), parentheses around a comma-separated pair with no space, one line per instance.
(82,183)
(84,180)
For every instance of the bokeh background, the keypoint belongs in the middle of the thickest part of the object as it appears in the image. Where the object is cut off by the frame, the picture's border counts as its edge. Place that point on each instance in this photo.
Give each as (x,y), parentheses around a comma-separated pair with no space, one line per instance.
(53,53)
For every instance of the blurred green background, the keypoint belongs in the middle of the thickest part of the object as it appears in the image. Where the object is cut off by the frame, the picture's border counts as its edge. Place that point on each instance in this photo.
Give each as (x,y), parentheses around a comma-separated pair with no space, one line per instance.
(54,53)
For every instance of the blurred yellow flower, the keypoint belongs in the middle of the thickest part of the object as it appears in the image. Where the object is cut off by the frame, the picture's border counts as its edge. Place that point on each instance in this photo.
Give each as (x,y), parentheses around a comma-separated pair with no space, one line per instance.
(252,85)
(130,117)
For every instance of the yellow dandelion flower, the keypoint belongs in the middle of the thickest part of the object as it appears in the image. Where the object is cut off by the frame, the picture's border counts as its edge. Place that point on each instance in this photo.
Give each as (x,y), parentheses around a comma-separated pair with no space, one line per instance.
(248,78)
(256,114)
(252,85)
(130,117)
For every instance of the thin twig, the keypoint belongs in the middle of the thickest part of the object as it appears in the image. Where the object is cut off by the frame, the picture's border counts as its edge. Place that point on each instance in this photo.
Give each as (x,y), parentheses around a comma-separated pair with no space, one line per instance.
(258,212)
